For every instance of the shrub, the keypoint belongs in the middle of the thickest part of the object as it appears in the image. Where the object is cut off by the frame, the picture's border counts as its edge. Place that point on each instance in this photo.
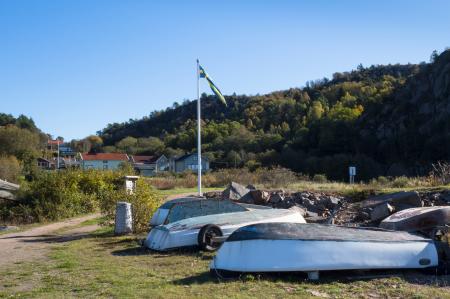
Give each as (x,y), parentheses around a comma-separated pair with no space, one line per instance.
(319,178)
(382,180)
(9,168)
(144,203)
(401,182)
(62,194)
(440,175)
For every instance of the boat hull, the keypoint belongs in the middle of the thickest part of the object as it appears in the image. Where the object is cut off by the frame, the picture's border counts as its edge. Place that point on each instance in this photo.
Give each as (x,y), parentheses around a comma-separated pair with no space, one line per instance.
(185,233)
(307,256)
(278,247)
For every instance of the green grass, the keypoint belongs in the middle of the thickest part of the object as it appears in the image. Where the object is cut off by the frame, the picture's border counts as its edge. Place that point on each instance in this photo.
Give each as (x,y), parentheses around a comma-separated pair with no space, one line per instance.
(104,266)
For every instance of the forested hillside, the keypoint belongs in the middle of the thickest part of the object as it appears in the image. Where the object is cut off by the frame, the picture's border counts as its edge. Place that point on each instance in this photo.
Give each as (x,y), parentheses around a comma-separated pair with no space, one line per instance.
(386,120)
(21,142)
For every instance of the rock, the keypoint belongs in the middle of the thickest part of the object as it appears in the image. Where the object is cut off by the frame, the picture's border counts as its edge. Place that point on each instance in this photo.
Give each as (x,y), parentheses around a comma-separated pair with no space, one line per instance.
(381,211)
(410,198)
(260,197)
(213,194)
(276,198)
(235,191)
(7,195)
(444,198)
(251,187)
(310,214)
(330,202)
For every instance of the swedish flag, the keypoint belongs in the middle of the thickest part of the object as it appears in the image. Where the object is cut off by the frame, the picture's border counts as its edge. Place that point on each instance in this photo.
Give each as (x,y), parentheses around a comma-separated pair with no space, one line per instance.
(213,87)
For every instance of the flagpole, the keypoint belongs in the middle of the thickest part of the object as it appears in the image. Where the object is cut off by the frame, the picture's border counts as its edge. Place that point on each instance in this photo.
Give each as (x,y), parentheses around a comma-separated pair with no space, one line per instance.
(199,141)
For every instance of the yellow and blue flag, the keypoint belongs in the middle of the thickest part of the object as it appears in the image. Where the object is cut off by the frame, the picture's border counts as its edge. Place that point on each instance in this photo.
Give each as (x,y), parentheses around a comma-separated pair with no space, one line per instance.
(213,87)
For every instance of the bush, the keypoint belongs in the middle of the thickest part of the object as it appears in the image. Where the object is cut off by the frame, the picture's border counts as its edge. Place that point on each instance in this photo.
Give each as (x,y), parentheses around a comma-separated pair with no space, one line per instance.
(144,203)
(9,168)
(320,178)
(56,195)
(401,182)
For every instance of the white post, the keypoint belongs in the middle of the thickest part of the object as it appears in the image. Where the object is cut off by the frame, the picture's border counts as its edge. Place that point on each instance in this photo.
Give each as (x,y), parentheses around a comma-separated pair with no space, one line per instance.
(199,141)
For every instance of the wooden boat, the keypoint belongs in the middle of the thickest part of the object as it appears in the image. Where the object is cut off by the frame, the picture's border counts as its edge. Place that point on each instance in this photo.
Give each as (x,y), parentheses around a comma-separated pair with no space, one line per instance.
(209,231)
(279,247)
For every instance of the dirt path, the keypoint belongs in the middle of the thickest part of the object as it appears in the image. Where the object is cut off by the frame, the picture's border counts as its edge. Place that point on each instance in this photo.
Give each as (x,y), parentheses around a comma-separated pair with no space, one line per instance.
(35,243)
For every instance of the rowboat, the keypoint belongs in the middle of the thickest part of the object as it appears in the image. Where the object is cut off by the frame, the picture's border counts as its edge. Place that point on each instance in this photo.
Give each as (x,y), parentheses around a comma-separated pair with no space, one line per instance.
(209,231)
(310,248)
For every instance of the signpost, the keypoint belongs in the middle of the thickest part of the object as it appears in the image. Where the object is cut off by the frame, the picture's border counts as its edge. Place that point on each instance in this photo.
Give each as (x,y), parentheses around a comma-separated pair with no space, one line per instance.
(352,174)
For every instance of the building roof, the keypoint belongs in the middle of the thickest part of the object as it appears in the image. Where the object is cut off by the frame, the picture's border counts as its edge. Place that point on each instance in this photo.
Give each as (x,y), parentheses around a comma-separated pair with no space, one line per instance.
(144,159)
(104,156)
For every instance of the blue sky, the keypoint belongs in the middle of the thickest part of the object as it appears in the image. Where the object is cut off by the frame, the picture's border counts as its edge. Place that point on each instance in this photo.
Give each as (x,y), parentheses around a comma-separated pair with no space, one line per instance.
(75,66)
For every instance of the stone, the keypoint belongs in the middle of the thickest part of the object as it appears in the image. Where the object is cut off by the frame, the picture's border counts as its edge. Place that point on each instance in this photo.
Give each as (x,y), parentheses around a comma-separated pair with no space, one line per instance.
(330,202)
(410,198)
(381,211)
(251,187)
(234,191)
(260,197)
(276,198)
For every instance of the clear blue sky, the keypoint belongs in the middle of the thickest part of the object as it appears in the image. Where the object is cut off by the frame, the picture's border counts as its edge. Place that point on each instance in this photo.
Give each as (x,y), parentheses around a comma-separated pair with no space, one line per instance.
(74,66)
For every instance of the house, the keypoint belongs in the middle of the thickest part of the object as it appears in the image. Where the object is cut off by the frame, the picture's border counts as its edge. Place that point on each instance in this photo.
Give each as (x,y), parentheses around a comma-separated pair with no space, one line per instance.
(44,163)
(149,165)
(188,162)
(102,160)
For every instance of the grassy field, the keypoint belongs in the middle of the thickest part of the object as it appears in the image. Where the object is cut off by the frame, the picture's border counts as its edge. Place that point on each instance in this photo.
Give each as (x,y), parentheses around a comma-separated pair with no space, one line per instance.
(102,265)
(105,266)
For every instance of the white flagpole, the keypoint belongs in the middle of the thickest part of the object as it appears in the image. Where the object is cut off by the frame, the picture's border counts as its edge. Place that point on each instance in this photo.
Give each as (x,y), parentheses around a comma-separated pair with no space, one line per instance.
(199,141)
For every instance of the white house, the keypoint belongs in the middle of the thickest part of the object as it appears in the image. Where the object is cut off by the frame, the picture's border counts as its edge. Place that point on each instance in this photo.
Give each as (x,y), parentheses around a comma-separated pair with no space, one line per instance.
(102,160)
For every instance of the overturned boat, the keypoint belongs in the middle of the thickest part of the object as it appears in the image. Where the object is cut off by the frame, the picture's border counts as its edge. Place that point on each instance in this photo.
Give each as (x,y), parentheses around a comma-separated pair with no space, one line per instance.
(209,231)
(426,220)
(279,247)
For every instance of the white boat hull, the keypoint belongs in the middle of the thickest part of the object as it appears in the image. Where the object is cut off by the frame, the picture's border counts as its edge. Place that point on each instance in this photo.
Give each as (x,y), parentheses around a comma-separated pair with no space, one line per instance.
(307,256)
(185,233)
(278,247)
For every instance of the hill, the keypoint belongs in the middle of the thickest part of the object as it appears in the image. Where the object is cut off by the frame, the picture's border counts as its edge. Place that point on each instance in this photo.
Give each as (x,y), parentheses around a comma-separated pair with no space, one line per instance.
(386,120)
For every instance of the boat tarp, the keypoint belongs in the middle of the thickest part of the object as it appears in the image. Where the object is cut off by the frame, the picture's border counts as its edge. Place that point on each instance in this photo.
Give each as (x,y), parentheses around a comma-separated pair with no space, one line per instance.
(235,218)
(197,208)
(320,232)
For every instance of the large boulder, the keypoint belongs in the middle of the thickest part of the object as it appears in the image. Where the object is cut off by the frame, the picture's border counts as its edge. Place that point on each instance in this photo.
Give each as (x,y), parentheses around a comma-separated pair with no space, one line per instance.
(276,198)
(381,211)
(260,197)
(411,198)
(235,191)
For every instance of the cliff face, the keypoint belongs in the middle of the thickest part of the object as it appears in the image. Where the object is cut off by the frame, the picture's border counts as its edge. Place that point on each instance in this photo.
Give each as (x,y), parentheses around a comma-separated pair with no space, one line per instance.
(412,127)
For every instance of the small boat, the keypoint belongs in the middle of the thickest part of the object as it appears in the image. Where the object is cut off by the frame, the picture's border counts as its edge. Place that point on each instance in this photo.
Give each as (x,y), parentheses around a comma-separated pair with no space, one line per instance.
(280,247)
(210,230)
(425,220)
(188,207)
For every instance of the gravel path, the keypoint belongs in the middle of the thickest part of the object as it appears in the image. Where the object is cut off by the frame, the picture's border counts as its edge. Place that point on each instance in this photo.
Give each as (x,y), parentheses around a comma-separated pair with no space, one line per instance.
(35,243)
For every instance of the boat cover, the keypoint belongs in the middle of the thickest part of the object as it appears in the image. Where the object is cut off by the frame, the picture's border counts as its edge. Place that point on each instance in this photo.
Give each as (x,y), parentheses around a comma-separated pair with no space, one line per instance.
(320,232)
(228,219)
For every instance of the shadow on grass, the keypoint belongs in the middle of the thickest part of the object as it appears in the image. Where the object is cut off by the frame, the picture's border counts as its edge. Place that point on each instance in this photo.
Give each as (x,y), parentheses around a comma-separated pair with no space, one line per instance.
(409,276)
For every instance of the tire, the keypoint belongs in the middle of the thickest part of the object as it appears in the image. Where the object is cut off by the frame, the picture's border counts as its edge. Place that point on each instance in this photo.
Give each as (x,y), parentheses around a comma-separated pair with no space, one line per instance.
(205,236)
